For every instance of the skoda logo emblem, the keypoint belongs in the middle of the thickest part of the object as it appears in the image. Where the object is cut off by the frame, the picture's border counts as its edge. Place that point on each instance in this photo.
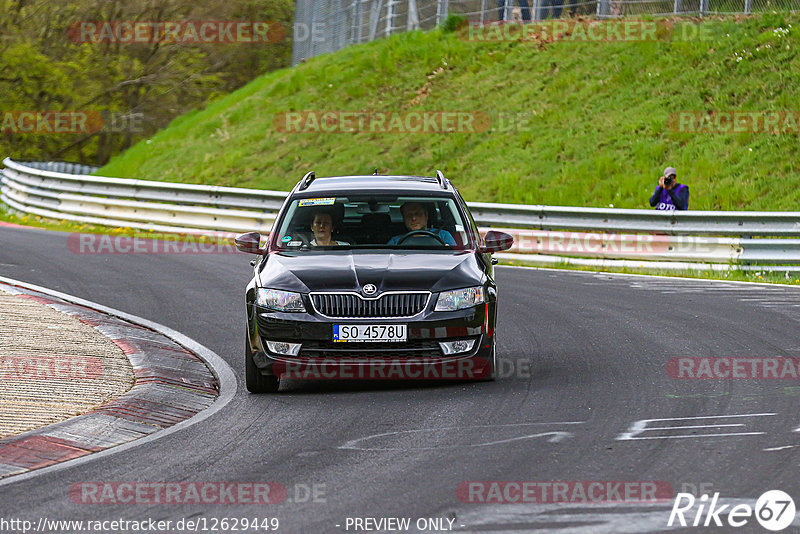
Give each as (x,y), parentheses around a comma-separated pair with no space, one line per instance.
(369,289)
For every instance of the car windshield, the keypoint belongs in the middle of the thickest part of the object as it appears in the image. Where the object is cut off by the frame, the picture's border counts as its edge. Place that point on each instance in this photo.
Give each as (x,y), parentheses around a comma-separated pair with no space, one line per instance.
(385,221)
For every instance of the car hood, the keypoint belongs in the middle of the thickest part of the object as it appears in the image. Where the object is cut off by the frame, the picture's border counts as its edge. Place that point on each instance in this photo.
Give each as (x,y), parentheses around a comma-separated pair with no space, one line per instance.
(351,270)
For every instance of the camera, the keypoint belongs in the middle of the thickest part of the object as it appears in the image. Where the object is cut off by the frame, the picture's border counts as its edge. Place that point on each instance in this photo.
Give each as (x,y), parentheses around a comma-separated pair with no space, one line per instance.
(669,180)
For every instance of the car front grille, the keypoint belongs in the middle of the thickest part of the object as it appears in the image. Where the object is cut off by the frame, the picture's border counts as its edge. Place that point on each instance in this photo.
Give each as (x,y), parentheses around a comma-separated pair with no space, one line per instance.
(416,348)
(353,305)
(410,349)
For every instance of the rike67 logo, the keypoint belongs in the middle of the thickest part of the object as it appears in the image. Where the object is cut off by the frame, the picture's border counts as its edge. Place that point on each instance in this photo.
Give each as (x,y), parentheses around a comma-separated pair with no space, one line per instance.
(774,510)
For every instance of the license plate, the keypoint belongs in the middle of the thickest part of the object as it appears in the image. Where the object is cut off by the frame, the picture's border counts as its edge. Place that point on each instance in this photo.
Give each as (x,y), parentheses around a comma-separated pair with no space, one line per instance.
(369,332)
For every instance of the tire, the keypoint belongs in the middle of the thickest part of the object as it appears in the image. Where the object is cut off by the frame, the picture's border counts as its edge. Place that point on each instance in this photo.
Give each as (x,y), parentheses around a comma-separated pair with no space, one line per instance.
(255,381)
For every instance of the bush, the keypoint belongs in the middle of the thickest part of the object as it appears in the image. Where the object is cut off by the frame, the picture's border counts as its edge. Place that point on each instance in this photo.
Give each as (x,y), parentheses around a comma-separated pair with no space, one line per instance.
(453,23)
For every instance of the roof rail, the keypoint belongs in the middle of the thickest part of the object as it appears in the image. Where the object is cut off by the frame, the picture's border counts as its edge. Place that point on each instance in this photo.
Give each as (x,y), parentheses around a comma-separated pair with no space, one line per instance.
(306,181)
(440,178)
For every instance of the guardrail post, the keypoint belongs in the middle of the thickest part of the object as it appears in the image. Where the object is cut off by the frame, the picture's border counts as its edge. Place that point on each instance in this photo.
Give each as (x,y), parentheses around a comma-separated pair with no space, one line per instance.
(389,17)
(374,16)
(442,6)
(355,27)
(312,41)
(412,22)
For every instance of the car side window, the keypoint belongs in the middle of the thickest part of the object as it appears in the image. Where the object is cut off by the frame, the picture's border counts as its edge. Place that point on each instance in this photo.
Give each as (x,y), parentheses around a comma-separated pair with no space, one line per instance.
(470,220)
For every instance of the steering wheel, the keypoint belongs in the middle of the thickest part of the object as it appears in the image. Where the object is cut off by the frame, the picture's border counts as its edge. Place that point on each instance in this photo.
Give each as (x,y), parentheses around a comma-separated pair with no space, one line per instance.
(425,233)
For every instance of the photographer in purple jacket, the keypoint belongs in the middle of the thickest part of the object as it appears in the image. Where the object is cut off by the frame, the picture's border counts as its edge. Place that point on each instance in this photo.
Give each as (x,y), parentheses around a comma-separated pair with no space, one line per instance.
(669,194)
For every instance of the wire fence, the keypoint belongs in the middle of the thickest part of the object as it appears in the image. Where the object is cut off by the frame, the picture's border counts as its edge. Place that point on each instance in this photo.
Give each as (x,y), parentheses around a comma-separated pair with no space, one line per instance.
(323,26)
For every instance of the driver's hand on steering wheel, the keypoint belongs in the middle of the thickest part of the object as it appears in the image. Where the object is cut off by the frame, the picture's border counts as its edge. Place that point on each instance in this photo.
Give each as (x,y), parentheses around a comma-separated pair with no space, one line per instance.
(420,233)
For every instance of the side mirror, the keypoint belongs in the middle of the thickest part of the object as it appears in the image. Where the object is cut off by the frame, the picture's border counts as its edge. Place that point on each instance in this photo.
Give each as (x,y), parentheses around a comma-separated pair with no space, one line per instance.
(249,243)
(496,242)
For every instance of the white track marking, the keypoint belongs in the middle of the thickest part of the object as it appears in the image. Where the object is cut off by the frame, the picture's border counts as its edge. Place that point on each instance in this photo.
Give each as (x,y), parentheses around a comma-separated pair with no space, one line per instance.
(552,437)
(639,427)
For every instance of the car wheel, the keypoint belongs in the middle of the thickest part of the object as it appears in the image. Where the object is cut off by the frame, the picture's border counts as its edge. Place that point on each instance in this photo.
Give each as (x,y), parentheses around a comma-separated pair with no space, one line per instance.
(255,381)
(492,374)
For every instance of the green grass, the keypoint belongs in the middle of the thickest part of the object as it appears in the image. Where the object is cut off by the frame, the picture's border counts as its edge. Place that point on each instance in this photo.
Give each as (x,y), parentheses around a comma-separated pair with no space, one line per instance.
(14,217)
(597,132)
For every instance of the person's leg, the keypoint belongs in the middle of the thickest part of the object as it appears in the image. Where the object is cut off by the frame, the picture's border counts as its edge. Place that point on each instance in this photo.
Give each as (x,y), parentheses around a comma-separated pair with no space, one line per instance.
(547,8)
(501,9)
(526,10)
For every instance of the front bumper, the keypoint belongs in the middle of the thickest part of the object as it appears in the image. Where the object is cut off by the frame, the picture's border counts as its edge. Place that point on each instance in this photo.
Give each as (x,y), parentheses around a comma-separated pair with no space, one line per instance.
(420,357)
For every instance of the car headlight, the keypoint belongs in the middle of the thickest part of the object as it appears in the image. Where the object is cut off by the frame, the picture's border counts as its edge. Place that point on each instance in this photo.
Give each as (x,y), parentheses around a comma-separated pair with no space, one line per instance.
(275,299)
(459,299)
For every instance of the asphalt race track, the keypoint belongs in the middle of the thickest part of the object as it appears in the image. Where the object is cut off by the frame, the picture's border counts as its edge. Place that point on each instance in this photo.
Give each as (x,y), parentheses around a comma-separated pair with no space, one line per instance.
(585,362)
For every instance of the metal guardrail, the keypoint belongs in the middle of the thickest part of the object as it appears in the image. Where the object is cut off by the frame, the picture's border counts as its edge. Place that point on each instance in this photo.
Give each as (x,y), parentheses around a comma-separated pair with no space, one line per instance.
(724,223)
(142,204)
(542,233)
(62,166)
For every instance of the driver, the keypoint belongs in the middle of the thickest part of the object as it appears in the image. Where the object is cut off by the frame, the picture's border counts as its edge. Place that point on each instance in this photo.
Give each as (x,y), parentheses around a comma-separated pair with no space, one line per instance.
(415,216)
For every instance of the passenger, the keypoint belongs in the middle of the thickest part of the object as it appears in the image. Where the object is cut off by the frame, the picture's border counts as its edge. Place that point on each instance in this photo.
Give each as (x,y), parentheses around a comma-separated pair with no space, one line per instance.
(322,226)
(415,217)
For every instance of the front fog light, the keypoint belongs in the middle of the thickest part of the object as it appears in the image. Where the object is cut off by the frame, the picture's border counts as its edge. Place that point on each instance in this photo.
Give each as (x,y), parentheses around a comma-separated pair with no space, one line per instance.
(457,347)
(283,348)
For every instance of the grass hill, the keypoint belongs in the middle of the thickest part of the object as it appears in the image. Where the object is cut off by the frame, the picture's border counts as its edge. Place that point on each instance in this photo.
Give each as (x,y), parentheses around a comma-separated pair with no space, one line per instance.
(573,121)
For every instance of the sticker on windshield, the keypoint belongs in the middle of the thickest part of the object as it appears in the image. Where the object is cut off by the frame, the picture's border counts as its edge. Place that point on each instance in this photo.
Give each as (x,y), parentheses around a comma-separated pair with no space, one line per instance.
(294,243)
(286,239)
(328,201)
